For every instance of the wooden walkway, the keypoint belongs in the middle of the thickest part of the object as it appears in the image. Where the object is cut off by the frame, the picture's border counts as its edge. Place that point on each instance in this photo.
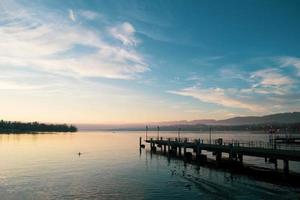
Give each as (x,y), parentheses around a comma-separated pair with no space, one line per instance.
(287,140)
(235,149)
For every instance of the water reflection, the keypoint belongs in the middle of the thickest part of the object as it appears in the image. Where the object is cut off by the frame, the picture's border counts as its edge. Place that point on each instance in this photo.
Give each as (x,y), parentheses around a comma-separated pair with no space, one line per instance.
(111,166)
(220,184)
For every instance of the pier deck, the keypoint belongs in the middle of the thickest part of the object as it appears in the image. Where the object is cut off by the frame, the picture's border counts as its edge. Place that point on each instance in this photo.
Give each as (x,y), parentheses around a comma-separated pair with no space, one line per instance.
(287,140)
(235,149)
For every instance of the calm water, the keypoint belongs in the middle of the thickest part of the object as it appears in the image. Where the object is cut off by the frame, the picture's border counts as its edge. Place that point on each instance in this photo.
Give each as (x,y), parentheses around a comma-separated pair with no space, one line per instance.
(112,167)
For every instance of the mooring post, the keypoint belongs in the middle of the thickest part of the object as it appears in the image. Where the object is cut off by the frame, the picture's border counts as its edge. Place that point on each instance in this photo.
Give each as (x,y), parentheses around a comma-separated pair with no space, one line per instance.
(219,156)
(198,148)
(184,147)
(240,157)
(169,145)
(286,166)
(179,150)
(151,144)
(140,142)
(231,153)
(210,135)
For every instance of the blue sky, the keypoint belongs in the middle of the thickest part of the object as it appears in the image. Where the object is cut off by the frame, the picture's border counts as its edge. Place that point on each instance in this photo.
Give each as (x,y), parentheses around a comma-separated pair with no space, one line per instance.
(146,61)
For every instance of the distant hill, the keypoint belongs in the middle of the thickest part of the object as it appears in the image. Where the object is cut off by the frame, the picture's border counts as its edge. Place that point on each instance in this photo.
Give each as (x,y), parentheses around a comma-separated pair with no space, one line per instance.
(282,118)
(279,120)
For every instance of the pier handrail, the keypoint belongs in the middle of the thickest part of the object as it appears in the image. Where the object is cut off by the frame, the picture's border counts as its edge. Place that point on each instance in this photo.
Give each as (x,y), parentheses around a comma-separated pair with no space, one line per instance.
(233,143)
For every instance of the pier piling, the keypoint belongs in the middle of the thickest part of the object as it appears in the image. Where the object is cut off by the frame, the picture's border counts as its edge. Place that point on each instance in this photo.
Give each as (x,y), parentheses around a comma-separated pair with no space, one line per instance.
(218,156)
(286,166)
(240,158)
(236,150)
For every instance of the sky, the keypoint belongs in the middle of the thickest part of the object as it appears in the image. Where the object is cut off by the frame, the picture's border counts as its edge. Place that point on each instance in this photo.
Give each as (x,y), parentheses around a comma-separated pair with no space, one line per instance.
(88,61)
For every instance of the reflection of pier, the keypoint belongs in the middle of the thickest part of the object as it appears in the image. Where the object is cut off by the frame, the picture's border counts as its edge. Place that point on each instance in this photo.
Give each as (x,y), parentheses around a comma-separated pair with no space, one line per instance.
(287,140)
(235,149)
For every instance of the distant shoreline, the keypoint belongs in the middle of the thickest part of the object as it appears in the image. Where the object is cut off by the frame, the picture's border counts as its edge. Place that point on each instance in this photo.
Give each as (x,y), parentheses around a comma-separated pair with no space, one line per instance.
(277,127)
(9,127)
(285,122)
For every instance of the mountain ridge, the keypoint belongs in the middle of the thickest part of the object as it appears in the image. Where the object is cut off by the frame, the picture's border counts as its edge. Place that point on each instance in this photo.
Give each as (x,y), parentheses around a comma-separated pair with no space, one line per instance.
(277,118)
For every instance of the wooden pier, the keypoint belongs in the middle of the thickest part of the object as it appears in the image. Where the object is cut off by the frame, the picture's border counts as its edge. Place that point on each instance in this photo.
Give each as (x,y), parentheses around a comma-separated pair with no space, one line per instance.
(235,149)
(287,140)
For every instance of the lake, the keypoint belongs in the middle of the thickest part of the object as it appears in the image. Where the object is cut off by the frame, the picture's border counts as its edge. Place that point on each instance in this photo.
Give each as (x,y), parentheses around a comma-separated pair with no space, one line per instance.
(111,166)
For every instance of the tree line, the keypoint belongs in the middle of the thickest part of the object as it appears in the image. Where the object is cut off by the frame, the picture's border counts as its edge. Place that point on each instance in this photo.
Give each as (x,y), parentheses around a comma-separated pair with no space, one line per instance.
(9,126)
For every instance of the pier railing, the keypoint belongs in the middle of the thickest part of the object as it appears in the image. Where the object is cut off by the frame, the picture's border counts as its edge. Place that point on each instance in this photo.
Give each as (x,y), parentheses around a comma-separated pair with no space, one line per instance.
(233,143)
(235,148)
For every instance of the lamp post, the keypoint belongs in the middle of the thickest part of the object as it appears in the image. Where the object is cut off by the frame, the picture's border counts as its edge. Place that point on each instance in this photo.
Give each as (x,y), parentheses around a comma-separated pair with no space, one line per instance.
(146,132)
(179,129)
(157,132)
(210,135)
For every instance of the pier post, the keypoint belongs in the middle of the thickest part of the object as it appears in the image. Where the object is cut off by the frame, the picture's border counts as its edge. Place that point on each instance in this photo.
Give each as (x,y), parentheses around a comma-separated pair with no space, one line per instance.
(199,157)
(218,156)
(169,145)
(153,148)
(164,149)
(198,151)
(140,142)
(184,147)
(240,157)
(286,166)
(179,150)
(175,150)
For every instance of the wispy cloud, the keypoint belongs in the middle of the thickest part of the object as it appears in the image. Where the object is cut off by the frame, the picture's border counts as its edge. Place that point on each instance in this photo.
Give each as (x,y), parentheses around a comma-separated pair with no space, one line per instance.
(217,96)
(36,42)
(272,77)
(237,86)
(72,15)
(88,14)
(230,72)
(125,33)
(286,61)
(12,85)
(270,81)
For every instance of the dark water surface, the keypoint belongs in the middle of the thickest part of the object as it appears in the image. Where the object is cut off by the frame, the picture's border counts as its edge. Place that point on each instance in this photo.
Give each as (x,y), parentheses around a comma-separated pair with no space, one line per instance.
(47,166)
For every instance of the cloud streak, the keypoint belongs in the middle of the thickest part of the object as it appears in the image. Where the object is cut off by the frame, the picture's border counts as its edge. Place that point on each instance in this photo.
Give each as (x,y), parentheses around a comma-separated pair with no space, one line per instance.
(41,43)
(72,15)
(270,81)
(88,14)
(125,33)
(271,77)
(216,96)
(287,61)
